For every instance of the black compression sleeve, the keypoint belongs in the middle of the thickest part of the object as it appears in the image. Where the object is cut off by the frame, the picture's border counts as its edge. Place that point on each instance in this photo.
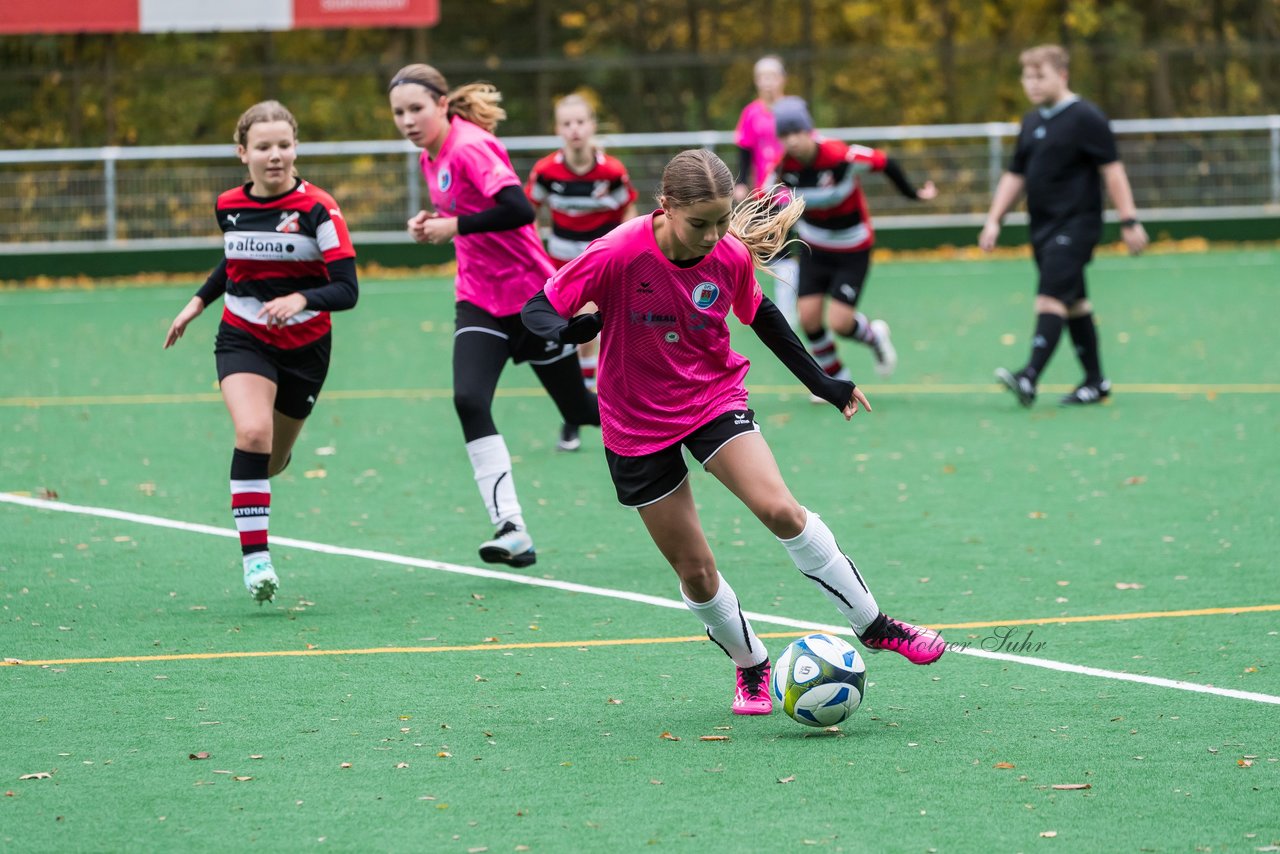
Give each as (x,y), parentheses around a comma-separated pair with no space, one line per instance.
(214,286)
(541,318)
(511,211)
(772,328)
(893,171)
(341,291)
(745,165)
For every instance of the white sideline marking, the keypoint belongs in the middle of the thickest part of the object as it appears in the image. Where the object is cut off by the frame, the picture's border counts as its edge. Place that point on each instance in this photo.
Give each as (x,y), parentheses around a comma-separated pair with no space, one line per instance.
(568,586)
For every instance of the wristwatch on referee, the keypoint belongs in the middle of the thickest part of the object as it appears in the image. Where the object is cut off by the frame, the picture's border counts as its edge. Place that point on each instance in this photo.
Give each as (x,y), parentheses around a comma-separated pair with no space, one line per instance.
(1129,223)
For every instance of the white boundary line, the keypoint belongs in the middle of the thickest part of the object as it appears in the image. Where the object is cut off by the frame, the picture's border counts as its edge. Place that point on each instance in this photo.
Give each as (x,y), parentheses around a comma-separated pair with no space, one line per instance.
(642,598)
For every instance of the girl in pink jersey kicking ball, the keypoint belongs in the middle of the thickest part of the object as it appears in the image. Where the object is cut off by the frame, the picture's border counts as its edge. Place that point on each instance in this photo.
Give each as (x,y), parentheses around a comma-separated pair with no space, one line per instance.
(588,193)
(666,284)
(480,205)
(289,262)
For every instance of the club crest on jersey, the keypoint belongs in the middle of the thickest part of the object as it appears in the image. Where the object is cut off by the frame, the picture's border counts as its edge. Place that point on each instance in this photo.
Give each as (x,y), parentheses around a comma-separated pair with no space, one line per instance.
(705,295)
(444,180)
(288,223)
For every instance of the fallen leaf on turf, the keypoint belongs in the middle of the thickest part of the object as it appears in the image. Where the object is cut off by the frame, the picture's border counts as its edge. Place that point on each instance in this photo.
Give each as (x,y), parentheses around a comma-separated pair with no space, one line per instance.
(790,779)
(1005,765)
(345,765)
(242,779)
(614,702)
(1069,787)
(45,775)
(255,755)
(402,764)
(444,754)
(1048,834)
(47,494)
(13,661)
(10,794)
(480,850)
(490,640)
(1243,763)
(480,678)
(1126,585)
(723,727)
(1135,480)
(713,738)
(204,754)
(1037,514)
(222,772)
(666,736)
(655,782)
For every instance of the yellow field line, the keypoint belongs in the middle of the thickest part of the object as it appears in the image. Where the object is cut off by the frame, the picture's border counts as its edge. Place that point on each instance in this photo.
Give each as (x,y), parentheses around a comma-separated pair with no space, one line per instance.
(898,390)
(385,650)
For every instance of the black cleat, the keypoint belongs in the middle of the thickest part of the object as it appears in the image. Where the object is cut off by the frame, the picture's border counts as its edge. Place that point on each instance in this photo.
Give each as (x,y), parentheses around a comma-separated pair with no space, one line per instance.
(1021,386)
(1087,393)
(569,439)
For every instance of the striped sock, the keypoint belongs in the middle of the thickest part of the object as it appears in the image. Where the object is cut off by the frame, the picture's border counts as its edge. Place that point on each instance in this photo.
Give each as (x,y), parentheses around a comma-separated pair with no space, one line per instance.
(823,348)
(818,556)
(862,329)
(251,499)
(727,627)
(589,365)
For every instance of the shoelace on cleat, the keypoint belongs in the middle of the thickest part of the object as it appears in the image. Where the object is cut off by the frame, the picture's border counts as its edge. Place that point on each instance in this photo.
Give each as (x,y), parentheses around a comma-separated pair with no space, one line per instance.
(753,678)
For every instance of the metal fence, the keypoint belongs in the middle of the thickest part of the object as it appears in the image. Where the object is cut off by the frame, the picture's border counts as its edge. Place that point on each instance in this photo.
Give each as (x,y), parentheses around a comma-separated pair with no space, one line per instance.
(95,198)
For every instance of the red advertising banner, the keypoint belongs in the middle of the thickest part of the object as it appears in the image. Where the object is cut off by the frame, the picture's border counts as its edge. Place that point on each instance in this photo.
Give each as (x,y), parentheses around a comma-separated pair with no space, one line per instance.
(154,16)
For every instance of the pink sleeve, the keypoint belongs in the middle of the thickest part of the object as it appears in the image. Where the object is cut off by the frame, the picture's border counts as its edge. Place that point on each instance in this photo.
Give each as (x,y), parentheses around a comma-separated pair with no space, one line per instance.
(488,167)
(746,290)
(866,159)
(743,133)
(580,281)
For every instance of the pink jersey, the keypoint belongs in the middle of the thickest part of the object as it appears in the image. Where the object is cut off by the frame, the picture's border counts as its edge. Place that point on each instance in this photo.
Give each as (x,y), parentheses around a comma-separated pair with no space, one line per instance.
(757,133)
(666,367)
(498,270)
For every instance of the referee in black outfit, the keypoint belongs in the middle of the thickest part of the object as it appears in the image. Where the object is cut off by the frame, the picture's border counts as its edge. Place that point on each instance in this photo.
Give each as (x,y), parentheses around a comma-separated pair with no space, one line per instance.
(1065,153)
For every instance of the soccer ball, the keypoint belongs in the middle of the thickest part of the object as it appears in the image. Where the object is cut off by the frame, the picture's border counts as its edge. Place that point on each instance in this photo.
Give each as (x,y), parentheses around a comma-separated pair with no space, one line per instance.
(819,680)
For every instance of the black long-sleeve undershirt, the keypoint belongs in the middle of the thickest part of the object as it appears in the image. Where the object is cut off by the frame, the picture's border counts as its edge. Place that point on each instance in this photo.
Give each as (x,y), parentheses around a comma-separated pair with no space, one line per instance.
(541,318)
(893,171)
(341,292)
(771,327)
(746,162)
(512,210)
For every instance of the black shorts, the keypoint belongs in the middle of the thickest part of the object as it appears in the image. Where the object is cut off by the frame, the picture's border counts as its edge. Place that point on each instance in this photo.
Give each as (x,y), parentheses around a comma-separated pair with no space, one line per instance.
(522,345)
(298,374)
(1061,259)
(840,274)
(645,479)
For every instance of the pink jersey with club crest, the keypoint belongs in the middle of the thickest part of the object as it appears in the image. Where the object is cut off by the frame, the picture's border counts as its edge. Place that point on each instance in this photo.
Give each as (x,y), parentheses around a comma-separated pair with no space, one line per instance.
(497,270)
(666,367)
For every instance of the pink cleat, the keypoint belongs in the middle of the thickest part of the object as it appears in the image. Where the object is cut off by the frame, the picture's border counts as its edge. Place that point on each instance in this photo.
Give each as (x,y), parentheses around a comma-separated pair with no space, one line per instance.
(914,643)
(752,696)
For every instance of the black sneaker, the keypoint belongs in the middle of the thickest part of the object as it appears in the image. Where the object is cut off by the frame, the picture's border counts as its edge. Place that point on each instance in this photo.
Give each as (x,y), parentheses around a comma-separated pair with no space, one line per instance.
(1087,393)
(569,440)
(510,545)
(1022,387)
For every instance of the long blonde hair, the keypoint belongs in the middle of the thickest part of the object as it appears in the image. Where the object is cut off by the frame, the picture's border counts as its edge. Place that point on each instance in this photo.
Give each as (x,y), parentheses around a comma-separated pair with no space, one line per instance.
(478,103)
(698,175)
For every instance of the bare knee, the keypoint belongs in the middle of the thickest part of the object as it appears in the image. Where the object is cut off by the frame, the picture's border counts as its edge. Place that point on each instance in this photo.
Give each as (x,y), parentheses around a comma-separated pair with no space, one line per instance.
(784,518)
(255,437)
(698,577)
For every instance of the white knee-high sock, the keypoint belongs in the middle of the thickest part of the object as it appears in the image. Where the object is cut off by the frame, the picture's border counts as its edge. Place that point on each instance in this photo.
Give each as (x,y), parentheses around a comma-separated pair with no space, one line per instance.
(728,627)
(787,276)
(492,465)
(816,554)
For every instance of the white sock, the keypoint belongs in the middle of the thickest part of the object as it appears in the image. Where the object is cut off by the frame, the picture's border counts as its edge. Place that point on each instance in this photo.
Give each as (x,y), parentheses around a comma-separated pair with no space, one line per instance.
(492,465)
(727,627)
(818,556)
(787,277)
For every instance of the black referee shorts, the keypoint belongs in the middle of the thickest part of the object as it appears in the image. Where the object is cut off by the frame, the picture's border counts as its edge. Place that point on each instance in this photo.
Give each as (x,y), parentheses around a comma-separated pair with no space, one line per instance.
(1061,259)
(298,374)
(643,480)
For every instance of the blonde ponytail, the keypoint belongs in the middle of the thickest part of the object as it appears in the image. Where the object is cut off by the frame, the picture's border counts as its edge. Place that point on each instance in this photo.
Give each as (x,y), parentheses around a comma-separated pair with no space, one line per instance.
(763,227)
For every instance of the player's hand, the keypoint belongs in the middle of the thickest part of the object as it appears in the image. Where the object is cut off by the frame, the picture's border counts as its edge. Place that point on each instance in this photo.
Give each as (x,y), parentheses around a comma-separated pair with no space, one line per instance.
(740,192)
(1135,237)
(851,408)
(189,313)
(990,234)
(279,310)
(416,224)
(439,229)
(583,328)
(928,192)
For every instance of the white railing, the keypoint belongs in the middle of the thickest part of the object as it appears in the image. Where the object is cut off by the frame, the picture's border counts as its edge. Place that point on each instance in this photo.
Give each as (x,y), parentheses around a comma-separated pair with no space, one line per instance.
(78,199)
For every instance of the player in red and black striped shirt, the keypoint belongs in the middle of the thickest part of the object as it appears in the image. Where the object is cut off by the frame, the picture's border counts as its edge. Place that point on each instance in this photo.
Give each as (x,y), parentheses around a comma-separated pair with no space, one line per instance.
(589,194)
(837,228)
(289,262)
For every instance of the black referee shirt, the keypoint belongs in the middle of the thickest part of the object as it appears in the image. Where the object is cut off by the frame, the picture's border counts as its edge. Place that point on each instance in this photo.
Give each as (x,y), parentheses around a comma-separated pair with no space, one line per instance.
(1059,152)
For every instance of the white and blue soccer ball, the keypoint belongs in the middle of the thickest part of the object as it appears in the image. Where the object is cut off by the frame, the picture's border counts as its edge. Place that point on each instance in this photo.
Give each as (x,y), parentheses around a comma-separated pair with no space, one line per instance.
(819,680)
